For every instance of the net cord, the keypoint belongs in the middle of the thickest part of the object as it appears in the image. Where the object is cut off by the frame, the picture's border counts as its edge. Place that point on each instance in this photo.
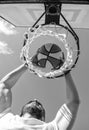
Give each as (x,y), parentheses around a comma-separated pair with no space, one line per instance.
(70,29)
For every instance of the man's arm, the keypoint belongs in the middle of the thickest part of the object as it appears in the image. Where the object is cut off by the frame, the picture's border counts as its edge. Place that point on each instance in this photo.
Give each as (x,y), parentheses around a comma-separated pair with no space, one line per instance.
(73,100)
(67,113)
(6,84)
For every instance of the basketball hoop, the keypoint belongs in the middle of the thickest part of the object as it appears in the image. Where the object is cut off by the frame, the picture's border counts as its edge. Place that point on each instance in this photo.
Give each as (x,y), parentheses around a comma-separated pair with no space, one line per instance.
(58,35)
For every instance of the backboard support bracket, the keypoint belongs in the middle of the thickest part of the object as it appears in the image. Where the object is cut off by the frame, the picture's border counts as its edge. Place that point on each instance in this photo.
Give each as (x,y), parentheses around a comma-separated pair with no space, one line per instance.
(53,13)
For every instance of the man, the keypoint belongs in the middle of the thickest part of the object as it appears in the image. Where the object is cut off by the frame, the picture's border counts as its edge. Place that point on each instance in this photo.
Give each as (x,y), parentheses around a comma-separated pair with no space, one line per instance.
(32,116)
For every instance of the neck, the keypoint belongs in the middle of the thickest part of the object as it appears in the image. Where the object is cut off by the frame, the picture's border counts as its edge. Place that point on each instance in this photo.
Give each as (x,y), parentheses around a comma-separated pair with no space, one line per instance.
(26,115)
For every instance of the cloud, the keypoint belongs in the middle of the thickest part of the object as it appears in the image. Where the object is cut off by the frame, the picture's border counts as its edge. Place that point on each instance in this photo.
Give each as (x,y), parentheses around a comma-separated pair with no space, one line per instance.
(7,28)
(4,49)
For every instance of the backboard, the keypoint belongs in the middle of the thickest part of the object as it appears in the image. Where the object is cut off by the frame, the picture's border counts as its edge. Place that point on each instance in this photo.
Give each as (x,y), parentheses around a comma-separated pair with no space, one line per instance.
(24,13)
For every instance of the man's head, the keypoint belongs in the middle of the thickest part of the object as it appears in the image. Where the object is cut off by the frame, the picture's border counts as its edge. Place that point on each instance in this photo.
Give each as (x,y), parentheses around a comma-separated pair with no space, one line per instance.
(35,109)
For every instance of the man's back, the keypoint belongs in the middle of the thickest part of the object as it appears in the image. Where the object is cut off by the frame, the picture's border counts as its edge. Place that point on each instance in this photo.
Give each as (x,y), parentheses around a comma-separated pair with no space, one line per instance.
(15,122)
(9,121)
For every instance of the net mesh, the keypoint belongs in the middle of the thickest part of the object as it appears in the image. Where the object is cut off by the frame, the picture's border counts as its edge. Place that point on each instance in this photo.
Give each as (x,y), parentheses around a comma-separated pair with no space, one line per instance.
(46,36)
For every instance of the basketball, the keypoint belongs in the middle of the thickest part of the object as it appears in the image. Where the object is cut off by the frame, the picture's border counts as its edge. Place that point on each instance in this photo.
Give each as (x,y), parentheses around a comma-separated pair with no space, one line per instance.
(49,55)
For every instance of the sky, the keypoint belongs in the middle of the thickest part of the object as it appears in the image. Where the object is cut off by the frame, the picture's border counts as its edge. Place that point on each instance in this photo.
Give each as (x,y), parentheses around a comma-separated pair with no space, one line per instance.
(52,93)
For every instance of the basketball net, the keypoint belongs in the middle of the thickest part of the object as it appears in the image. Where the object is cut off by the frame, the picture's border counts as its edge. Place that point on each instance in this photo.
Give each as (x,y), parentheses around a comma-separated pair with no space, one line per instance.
(49,33)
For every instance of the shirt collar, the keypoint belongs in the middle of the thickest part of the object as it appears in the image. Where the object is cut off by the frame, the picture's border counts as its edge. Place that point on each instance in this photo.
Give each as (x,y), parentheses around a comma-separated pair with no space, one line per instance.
(32,121)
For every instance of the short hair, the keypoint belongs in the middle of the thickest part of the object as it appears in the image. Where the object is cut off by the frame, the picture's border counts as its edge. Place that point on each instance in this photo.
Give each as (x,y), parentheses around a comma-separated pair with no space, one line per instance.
(35,109)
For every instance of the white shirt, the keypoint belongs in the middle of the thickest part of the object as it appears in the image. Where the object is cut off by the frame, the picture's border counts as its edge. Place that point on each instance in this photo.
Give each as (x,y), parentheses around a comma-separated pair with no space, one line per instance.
(9,121)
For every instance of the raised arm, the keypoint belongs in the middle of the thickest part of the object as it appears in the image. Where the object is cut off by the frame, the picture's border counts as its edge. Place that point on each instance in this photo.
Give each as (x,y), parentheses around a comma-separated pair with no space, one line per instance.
(67,113)
(6,84)
(73,100)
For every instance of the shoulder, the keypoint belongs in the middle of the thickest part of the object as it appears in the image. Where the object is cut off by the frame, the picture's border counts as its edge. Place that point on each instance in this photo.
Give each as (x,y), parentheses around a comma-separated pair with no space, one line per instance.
(63,112)
(8,116)
(5,112)
(9,121)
